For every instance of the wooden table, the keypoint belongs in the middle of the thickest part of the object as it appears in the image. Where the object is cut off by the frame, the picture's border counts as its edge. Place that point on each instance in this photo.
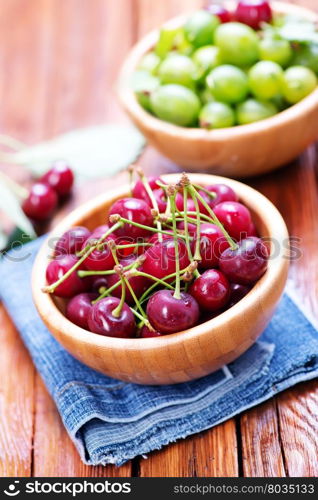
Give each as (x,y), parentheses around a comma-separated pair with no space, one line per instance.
(58,64)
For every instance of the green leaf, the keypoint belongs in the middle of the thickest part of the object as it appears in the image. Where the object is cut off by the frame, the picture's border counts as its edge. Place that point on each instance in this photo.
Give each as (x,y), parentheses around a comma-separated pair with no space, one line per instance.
(10,205)
(97,151)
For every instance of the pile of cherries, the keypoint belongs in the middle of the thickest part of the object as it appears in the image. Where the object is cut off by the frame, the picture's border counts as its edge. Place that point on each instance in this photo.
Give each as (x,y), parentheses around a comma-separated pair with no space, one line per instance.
(170,257)
(45,194)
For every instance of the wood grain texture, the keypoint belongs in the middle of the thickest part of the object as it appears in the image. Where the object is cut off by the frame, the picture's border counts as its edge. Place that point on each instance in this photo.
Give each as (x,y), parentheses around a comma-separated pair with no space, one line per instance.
(59,62)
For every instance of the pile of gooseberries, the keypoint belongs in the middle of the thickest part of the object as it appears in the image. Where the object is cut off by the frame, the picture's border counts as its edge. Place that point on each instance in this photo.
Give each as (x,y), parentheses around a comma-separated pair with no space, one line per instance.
(167,258)
(223,68)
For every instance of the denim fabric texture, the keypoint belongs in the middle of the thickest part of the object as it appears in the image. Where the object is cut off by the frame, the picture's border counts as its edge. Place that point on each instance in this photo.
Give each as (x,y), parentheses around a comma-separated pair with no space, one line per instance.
(112,421)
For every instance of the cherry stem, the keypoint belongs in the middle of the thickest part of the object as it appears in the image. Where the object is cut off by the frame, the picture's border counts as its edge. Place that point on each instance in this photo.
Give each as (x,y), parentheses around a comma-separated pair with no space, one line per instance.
(197,255)
(83,274)
(211,194)
(185,220)
(107,292)
(51,288)
(172,197)
(117,311)
(216,221)
(149,290)
(20,191)
(142,226)
(133,245)
(149,191)
(153,278)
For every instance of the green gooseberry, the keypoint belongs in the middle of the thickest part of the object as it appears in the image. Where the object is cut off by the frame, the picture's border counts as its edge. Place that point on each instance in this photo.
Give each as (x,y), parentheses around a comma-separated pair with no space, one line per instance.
(253,110)
(175,104)
(216,115)
(200,27)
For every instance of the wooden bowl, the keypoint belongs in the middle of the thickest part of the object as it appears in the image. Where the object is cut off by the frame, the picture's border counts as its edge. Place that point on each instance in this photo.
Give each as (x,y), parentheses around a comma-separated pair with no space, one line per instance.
(241,151)
(185,355)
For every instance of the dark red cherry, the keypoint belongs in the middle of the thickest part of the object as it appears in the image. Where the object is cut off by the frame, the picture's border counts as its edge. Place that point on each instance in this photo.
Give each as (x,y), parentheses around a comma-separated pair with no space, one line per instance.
(139,284)
(102,321)
(99,231)
(71,285)
(235,217)
(160,260)
(60,177)
(192,228)
(253,12)
(146,333)
(139,191)
(78,308)
(155,237)
(252,230)
(40,203)
(221,12)
(134,210)
(211,290)
(212,244)
(237,293)
(98,283)
(223,193)
(131,250)
(247,263)
(169,315)
(101,258)
(72,241)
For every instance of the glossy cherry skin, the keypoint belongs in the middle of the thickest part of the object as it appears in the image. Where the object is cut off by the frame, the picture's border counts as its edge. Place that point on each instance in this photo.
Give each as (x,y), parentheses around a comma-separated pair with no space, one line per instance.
(223,193)
(160,260)
(133,250)
(139,191)
(190,203)
(247,263)
(139,284)
(211,290)
(78,308)
(72,240)
(102,321)
(70,286)
(212,244)
(146,333)
(98,283)
(169,315)
(252,231)
(221,12)
(253,12)
(155,237)
(134,210)
(101,258)
(235,217)
(40,203)
(100,230)
(237,293)
(192,228)
(60,177)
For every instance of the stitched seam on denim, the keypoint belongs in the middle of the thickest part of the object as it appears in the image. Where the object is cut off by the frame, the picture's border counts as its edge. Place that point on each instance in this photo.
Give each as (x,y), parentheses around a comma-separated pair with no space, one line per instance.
(108,388)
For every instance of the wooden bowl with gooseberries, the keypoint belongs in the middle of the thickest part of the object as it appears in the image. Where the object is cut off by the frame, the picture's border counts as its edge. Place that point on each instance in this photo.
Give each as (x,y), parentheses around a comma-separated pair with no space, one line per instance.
(184,355)
(237,151)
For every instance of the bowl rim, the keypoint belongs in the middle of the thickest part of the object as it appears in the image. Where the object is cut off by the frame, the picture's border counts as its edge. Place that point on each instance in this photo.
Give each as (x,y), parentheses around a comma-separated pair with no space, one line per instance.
(49,311)
(129,101)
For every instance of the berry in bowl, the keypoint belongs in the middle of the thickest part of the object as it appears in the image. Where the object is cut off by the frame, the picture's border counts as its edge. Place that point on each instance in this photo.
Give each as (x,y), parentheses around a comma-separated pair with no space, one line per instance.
(222,91)
(163,295)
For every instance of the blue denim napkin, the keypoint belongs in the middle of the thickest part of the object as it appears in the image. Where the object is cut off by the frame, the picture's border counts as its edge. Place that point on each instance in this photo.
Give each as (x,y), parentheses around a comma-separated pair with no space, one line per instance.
(112,421)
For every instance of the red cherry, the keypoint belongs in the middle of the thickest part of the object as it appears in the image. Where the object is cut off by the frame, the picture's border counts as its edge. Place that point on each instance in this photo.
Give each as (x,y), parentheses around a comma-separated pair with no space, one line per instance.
(70,286)
(235,217)
(139,284)
(169,315)
(211,290)
(212,244)
(146,333)
(192,228)
(72,241)
(155,237)
(101,258)
(131,250)
(160,260)
(139,191)
(102,321)
(78,308)
(60,177)
(247,263)
(98,283)
(221,12)
(223,193)
(237,293)
(40,203)
(134,210)
(252,231)
(253,12)
(100,230)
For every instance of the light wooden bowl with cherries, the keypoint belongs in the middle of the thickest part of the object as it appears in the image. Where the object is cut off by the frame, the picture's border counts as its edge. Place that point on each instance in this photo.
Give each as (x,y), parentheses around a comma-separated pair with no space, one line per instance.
(241,151)
(180,356)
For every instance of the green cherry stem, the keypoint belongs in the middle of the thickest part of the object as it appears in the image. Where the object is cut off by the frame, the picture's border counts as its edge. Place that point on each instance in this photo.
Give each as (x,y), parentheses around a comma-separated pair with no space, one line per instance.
(216,221)
(172,195)
(117,311)
(117,218)
(185,220)
(158,281)
(107,292)
(51,288)
(201,188)
(83,274)
(197,255)
(153,200)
